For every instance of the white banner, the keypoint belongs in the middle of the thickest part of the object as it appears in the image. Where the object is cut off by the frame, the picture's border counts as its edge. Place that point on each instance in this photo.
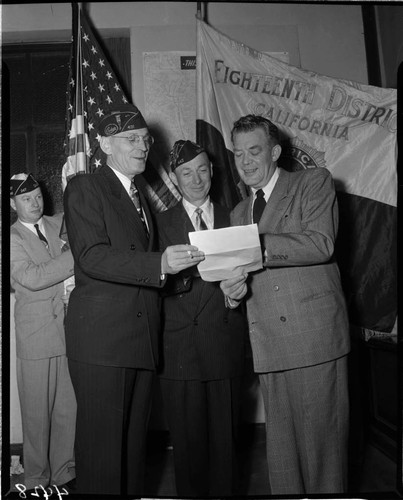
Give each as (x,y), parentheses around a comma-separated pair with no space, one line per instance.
(347,127)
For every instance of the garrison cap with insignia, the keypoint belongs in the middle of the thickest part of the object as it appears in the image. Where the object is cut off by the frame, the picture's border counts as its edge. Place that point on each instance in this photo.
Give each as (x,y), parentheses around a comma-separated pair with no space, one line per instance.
(123,118)
(22,183)
(182,152)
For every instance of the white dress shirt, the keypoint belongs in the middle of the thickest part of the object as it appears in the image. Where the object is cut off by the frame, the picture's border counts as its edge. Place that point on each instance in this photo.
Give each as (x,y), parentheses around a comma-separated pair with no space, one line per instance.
(32,228)
(208,212)
(268,189)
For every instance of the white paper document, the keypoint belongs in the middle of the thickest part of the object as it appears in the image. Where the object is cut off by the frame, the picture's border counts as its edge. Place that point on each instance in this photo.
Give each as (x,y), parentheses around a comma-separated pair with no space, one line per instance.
(228,251)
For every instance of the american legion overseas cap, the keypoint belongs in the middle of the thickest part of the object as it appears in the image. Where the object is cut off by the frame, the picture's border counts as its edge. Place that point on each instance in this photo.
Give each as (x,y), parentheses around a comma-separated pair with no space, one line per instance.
(182,152)
(123,118)
(22,183)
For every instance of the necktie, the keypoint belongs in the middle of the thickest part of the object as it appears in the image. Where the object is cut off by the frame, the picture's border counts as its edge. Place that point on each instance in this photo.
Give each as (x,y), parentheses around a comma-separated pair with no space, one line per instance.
(134,195)
(41,236)
(200,224)
(258,206)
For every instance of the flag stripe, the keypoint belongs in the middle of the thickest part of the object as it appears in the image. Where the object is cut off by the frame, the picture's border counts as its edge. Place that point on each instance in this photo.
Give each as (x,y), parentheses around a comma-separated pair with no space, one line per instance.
(367,258)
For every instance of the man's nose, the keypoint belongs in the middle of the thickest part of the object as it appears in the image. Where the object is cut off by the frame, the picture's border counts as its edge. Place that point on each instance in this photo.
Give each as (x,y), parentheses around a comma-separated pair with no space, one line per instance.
(246,159)
(142,144)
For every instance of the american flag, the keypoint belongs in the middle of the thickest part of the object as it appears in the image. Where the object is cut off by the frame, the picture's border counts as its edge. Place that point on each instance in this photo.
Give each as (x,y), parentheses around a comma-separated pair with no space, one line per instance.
(93,89)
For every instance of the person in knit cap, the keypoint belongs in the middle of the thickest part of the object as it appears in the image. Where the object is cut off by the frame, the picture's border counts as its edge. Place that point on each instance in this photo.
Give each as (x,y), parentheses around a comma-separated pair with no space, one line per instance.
(39,263)
(113,318)
(202,345)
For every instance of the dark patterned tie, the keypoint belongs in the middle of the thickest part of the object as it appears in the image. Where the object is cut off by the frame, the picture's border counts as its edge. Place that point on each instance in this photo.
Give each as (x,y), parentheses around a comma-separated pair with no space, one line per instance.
(200,224)
(134,195)
(41,236)
(258,206)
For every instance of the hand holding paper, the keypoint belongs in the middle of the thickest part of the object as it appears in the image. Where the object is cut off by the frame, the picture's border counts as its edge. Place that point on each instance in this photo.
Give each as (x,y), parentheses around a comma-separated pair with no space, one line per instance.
(178,257)
(229,252)
(235,288)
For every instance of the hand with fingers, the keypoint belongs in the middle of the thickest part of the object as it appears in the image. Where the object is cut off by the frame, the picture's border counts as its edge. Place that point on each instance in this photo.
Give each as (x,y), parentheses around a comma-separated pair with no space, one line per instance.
(178,257)
(235,288)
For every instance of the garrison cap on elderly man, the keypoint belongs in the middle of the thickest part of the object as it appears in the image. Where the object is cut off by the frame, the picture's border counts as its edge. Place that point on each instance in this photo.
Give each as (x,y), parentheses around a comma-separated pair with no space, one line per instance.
(113,319)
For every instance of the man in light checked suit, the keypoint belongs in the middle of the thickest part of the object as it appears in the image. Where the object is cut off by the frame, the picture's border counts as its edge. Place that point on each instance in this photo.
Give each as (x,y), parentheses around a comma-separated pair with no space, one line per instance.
(296,313)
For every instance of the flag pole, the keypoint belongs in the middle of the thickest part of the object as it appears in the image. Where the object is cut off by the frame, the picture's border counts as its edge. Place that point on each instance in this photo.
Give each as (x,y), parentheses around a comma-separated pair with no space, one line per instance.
(199,13)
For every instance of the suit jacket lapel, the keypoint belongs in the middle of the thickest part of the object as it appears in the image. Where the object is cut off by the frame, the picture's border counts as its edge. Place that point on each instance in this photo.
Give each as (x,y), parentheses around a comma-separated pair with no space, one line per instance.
(277,203)
(125,204)
(53,238)
(246,216)
(146,207)
(180,227)
(33,239)
(221,219)
(181,224)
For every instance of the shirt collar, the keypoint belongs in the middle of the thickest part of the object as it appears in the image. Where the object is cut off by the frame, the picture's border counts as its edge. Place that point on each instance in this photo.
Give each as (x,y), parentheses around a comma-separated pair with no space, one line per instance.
(268,189)
(190,208)
(208,211)
(123,179)
(31,227)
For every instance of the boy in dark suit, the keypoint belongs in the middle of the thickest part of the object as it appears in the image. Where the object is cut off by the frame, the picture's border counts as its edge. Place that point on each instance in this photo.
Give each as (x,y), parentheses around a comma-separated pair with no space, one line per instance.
(203,343)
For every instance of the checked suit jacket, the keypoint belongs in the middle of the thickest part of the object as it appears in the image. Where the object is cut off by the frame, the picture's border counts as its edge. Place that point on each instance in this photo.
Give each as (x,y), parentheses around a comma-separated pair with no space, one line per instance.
(37,277)
(296,308)
(202,339)
(113,316)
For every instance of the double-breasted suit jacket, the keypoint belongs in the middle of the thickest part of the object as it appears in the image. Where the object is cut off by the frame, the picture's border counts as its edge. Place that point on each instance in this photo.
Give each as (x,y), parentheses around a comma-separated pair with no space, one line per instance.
(201,369)
(202,339)
(113,316)
(112,329)
(296,308)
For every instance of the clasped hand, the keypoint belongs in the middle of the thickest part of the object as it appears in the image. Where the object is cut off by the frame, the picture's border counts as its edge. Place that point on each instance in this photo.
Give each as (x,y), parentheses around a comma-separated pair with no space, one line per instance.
(178,257)
(235,288)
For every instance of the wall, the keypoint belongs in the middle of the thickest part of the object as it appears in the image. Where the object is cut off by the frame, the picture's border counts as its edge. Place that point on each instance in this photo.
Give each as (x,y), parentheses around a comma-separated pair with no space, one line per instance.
(330,37)
(327,39)
(390,41)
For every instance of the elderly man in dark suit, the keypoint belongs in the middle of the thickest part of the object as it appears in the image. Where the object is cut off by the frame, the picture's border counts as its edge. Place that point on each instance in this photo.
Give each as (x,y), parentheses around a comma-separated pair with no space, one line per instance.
(203,343)
(38,267)
(113,319)
(297,315)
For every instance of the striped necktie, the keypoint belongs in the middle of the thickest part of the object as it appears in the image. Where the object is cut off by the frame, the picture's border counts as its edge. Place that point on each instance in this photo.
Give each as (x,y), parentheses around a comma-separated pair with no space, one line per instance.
(200,224)
(134,195)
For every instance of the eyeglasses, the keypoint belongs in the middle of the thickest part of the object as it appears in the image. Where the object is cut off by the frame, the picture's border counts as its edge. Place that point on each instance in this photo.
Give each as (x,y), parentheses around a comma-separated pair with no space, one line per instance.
(136,139)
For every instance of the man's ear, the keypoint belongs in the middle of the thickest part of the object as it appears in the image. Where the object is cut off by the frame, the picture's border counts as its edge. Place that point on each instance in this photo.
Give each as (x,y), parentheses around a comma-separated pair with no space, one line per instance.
(173,178)
(275,152)
(211,169)
(105,145)
(12,203)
